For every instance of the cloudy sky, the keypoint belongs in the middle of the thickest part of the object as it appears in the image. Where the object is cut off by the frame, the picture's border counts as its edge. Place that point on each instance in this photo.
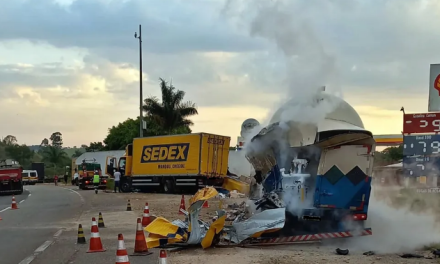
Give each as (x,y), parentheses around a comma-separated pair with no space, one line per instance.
(72,65)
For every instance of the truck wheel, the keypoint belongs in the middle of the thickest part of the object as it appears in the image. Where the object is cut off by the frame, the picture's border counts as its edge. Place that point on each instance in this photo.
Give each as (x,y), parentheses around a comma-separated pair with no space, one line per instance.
(168,186)
(21,189)
(125,186)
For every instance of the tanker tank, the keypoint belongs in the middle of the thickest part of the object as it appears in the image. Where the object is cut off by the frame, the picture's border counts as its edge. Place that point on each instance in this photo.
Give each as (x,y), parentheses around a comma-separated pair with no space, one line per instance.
(316,166)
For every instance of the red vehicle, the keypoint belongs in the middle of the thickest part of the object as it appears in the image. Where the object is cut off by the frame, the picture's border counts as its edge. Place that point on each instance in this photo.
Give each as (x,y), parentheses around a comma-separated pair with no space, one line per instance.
(10,177)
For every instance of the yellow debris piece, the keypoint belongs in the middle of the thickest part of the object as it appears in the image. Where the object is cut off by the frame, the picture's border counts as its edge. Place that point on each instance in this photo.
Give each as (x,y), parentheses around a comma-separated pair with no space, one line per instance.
(233,184)
(162,227)
(204,194)
(154,240)
(214,229)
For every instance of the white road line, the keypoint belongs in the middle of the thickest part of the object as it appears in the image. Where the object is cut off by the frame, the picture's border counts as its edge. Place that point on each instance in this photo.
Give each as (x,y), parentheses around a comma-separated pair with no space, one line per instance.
(7,208)
(27,260)
(44,246)
(41,248)
(58,233)
(30,195)
(73,191)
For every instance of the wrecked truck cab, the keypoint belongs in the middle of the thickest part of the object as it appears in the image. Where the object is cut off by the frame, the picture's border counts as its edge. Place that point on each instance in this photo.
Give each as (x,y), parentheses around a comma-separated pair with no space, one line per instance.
(335,198)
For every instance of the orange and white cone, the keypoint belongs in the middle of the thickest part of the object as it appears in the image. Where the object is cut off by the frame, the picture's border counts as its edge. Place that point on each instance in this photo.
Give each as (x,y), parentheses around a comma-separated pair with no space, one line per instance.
(121,251)
(140,243)
(182,204)
(14,203)
(95,240)
(146,216)
(162,257)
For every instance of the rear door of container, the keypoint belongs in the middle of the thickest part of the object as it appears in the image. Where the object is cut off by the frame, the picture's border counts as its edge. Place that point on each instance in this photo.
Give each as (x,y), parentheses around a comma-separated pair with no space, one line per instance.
(215,153)
(343,179)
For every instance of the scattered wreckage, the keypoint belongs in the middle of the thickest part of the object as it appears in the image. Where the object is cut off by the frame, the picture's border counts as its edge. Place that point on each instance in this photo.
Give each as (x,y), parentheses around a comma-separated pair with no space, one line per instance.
(323,194)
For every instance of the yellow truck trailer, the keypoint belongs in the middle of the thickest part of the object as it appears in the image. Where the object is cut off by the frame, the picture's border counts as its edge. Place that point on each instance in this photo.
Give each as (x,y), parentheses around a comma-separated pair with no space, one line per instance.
(173,163)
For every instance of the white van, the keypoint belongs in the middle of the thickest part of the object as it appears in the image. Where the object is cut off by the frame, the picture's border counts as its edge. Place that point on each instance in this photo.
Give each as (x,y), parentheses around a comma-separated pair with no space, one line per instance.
(29,177)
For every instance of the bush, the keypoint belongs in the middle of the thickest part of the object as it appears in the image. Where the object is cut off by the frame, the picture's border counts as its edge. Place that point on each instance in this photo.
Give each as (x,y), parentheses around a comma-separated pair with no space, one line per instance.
(110,184)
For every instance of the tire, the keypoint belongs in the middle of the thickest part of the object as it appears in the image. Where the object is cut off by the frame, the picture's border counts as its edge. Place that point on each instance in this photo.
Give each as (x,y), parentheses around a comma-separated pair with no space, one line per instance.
(125,185)
(21,189)
(168,186)
(81,187)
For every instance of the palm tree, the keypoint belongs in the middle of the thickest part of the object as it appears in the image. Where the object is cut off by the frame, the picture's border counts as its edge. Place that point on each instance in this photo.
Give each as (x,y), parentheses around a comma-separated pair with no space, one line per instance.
(172,113)
(54,155)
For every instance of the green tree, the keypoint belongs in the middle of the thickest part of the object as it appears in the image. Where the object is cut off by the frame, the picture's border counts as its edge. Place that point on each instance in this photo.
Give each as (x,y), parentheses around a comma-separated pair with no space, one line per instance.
(172,112)
(21,153)
(56,139)
(55,156)
(95,146)
(391,154)
(9,140)
(77,153)
(120,136)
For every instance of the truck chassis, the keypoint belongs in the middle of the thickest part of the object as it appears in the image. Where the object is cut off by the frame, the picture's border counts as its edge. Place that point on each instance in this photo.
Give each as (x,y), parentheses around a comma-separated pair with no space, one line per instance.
(86,183)
(169,184)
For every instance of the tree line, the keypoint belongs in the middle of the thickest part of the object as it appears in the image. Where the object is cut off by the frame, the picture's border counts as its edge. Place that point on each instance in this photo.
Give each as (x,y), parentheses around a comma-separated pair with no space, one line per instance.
(50,151)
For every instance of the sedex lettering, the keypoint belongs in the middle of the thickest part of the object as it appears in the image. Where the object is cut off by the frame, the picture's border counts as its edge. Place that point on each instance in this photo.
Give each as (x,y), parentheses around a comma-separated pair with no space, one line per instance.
(165,153)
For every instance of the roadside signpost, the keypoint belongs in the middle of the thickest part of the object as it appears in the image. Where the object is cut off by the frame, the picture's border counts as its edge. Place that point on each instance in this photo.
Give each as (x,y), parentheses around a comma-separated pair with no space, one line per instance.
(421,144)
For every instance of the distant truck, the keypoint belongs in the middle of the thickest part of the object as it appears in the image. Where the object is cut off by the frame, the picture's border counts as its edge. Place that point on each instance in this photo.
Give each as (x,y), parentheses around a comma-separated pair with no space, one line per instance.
(39,167)
(29,177)
(10,177)
(86,171)
(171,164)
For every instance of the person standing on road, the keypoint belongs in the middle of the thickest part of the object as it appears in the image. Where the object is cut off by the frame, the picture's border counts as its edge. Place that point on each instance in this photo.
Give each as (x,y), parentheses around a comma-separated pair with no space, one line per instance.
(55,180)
(96,181)
(75,178)
(117,175)
(65,177)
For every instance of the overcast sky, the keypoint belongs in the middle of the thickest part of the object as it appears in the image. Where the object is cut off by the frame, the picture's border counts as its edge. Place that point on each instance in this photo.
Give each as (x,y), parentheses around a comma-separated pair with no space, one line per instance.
(72,66)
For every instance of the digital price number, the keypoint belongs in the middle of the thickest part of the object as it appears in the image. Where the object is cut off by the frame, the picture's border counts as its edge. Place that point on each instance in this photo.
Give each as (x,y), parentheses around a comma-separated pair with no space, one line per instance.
(421,166)
(421,145)
(421,123)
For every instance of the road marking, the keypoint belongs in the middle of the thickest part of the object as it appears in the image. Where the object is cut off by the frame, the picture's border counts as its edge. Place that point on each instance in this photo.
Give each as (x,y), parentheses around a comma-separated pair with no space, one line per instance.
(22,201)
(73,191)
(27,260)
(41,248)
(58,233)
(7,208)
(30,195)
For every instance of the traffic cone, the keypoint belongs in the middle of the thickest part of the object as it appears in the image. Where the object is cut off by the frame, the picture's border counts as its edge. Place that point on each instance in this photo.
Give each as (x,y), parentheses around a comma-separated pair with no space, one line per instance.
(205,204)
(182,204)
(140,244)
(128,205)
(100,221)
(95,240)
(14,203)
(121,251)
(81,238)
(162,257)
(146,217)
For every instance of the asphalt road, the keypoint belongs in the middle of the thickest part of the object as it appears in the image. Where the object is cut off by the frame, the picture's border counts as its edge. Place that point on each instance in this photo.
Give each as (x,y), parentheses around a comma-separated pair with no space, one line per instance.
(43,212)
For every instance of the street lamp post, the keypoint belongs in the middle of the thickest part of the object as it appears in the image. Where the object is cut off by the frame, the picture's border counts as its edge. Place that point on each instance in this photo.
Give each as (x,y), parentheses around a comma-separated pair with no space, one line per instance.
(141,123)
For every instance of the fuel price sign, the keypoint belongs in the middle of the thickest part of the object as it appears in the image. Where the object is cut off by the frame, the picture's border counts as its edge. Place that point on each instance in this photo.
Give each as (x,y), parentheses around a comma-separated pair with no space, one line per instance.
(421,145)
(421,123)
(421,166)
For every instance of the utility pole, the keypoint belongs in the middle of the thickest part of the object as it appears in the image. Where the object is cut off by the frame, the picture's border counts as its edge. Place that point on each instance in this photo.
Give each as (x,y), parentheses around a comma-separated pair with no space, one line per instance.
(141,123)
